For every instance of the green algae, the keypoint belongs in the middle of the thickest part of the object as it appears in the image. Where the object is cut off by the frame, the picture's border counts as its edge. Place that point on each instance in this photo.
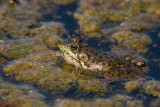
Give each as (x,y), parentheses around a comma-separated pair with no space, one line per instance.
(86,83)
(94,86)
(47,33)
(57,84)
(114,101)
(127,101)
(15,20)
(132,85)
(2,59)
(135,103)
(91,27)
(15,28)
(40,69)
(30,69)
(137,41)
(18,21)
(155,103)
(118,16)
(43,75)
(83,103)
(152,88)
(1,79)
(19,51)
(16,49)
(63,2)
(115,17)
(52,42)
(14,95)
(122,98)
(108,103)
(50,33)
(134,26)
(49,28)
(140,23)
(36,64)
(74,103)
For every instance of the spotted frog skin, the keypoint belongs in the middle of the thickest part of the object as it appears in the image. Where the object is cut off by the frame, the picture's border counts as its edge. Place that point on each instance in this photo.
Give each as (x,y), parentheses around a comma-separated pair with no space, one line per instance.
(120,62)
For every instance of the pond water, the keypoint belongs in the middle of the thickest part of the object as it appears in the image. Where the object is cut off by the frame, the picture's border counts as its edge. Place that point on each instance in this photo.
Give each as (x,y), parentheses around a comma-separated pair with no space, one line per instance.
(33,72)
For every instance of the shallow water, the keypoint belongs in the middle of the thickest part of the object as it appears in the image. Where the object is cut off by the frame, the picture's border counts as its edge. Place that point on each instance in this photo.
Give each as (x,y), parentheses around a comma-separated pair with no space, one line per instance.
(71,25)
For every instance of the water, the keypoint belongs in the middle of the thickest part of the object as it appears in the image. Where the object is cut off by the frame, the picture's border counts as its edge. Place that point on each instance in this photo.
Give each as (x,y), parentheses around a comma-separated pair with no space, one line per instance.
(71,25)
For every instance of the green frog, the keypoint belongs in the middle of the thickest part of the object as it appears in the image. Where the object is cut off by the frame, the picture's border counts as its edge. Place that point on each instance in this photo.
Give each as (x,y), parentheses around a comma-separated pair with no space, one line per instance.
(121,62)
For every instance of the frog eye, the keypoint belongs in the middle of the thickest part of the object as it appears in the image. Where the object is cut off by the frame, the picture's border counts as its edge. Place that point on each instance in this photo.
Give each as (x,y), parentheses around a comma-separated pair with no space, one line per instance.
(83,57)
(74,47)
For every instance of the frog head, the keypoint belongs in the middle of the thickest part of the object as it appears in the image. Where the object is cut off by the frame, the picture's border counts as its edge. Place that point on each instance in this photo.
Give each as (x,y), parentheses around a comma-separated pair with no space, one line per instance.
(73,52)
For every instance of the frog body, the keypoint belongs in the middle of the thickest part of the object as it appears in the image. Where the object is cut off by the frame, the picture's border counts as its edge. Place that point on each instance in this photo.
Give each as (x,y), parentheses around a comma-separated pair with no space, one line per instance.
(120,62)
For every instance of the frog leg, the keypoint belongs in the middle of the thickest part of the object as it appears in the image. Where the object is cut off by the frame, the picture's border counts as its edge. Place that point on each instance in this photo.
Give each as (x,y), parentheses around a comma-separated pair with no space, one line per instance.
(129,55)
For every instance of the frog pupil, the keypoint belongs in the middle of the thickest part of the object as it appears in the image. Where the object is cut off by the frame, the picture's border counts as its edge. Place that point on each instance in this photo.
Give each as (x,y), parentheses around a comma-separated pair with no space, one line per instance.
(74,47)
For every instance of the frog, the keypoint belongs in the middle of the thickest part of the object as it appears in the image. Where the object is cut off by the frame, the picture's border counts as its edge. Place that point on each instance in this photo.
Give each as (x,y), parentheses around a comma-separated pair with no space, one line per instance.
(121,62)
